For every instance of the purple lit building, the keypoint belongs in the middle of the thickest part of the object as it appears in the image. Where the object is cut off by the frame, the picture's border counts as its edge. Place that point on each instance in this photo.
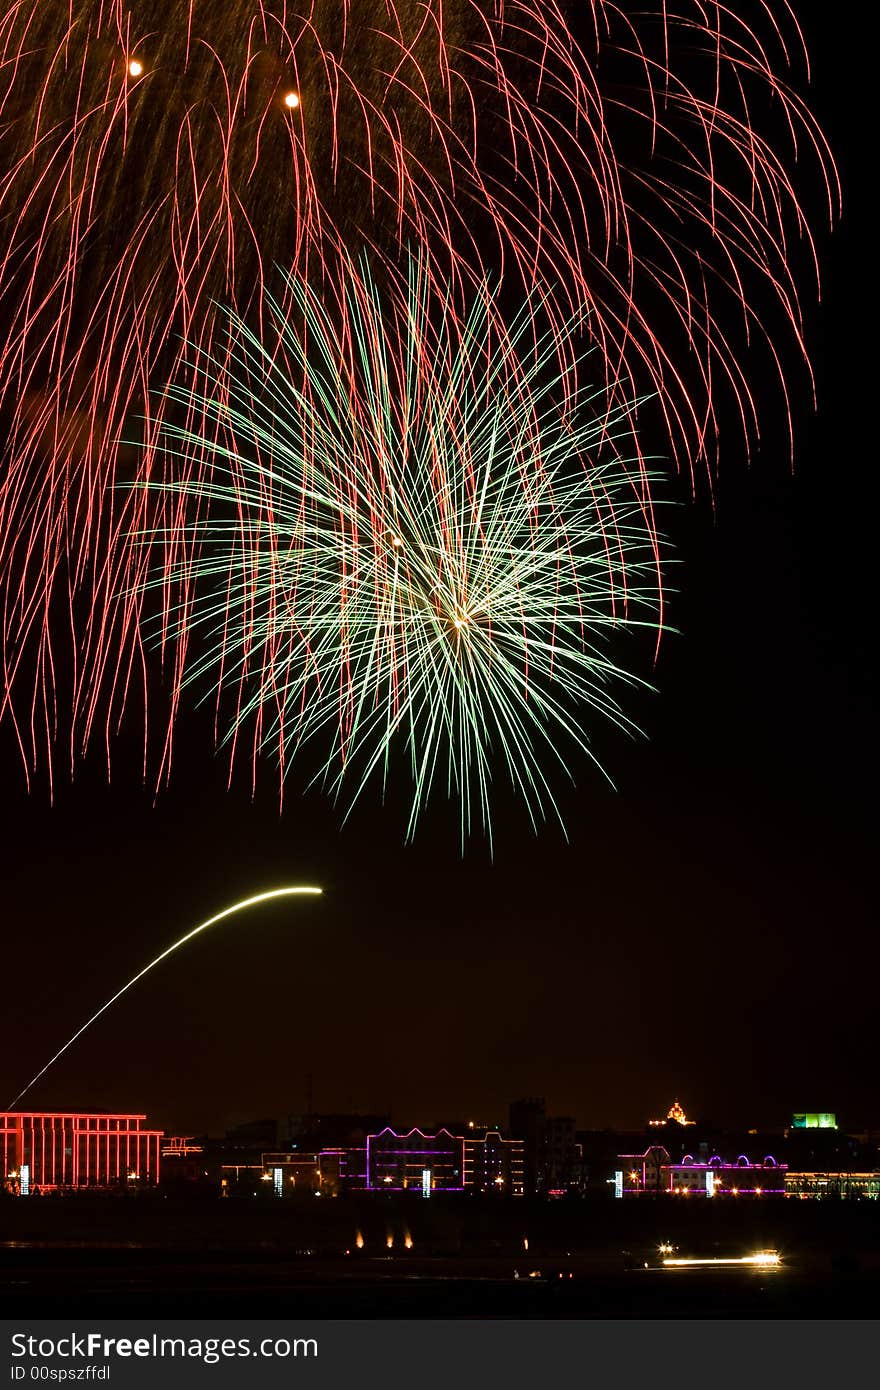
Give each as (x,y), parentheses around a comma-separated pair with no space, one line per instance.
(415,1161)
(652,1172)
(719,1179)
(643,1172)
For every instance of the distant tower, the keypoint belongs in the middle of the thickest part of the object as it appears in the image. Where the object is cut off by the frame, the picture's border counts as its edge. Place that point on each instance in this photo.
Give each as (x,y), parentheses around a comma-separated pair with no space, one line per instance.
(528,1122)
(675,1115)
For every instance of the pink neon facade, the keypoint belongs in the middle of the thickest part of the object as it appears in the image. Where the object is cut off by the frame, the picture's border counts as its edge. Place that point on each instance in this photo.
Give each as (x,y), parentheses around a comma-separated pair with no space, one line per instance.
(654,1172)
(61,1149)
(396,1162)
(740,1179)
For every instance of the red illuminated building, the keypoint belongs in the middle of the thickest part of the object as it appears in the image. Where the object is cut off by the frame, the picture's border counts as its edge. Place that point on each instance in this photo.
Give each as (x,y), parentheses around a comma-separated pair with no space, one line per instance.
(56,1151)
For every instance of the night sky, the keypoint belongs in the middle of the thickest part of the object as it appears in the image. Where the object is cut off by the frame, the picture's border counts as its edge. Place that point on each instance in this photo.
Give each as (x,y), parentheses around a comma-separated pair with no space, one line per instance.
(706,933)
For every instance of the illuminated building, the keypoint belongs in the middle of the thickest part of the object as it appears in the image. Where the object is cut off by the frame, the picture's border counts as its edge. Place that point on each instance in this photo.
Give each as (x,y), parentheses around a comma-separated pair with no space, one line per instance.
(343,1169)
(719,1179)
(528,1122)
(674,1116)
(478,1160)
(57,1151)
(640,1173)
(814,1120)
(175,1146)
(653,1173)
(818,1185)
(299,1172)
(493,1164)
(183,1159)
(340,1142)
(415,1161)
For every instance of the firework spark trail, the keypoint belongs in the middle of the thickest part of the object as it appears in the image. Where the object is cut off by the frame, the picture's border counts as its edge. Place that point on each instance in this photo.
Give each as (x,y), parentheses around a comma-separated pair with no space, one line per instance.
(155,161)
(408,549)
(246,903)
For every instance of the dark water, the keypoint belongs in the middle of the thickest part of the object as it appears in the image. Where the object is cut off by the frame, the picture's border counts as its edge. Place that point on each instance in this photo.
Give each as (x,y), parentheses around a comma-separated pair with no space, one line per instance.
(175,1257)
(78,1282)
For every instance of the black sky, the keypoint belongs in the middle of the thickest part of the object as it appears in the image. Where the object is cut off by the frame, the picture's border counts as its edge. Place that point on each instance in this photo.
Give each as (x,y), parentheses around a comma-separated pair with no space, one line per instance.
(708,932)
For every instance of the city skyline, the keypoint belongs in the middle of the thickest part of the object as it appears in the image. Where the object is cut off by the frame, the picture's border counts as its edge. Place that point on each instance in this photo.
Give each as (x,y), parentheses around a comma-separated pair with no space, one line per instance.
(536,1154)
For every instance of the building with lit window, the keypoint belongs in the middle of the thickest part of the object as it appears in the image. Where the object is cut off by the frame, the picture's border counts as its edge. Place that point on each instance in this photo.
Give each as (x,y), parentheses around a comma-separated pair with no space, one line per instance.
(640,1173)
(415,1161)
(493,1164)
(57,1151)
(716,1178)
(528,1122)
(653,1173)
(816,1185)
(343,1170)
(292,1173)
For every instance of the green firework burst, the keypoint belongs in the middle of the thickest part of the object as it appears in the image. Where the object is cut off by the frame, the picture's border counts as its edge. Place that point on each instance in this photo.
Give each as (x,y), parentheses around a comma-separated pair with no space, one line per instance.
(406,548)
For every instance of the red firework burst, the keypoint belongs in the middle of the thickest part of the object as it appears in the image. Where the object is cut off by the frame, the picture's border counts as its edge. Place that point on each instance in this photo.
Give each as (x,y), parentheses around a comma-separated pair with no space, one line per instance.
(159,158)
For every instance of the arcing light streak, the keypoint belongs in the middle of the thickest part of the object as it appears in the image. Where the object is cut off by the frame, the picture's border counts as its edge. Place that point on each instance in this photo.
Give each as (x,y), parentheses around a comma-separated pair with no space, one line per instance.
(642,163)
(406,545)
(169,950)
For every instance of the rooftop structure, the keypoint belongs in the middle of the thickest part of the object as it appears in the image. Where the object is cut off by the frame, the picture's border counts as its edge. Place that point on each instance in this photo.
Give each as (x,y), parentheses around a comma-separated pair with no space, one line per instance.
(675,1115)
